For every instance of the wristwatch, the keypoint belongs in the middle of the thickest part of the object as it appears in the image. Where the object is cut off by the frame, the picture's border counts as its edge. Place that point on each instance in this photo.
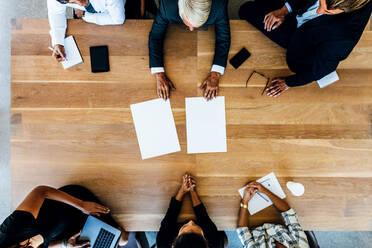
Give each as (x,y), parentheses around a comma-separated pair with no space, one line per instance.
(242,205)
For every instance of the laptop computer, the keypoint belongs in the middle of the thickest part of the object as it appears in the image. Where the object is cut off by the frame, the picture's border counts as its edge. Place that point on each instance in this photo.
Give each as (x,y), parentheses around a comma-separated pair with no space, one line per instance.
(100,234)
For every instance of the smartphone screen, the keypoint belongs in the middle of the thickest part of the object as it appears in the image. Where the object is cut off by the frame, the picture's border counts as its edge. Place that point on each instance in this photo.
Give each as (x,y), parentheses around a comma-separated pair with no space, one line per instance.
(239,58)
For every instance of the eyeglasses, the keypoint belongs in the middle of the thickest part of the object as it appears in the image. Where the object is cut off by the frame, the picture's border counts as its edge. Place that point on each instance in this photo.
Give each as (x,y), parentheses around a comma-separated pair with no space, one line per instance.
(259,73)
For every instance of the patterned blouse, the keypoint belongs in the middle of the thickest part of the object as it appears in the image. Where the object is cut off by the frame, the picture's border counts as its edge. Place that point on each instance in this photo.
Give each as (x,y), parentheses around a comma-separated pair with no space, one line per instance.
(291,235)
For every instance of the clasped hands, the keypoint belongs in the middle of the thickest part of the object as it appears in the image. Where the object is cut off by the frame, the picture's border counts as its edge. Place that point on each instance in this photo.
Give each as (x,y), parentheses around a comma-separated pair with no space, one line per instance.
(251,190)
(210,85)
(188,185)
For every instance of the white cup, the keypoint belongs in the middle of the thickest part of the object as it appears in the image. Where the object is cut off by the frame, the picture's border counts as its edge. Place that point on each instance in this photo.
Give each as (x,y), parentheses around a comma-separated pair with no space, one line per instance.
(297,189)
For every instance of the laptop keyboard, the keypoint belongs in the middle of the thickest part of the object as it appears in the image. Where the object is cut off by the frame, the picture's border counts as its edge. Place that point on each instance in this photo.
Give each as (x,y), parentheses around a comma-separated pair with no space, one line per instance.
(104,239)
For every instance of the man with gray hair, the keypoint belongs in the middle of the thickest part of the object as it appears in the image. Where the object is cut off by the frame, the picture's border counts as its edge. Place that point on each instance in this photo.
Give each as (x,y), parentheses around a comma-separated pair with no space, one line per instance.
(194,14)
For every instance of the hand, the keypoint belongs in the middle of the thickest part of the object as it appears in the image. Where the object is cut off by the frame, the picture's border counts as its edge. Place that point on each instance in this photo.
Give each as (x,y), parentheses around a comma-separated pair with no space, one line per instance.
(79,13)
(257,186)
(210,85)
(163,85)
(188,184)
(59,53)
(275,18)
(71,242)
(191,182)
(92,208)
(248,194)
(277,87)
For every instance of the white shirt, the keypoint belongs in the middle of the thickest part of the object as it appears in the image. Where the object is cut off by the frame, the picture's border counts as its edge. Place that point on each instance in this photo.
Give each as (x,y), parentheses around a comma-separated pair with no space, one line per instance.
(215,68)
(307,16)
(109,12)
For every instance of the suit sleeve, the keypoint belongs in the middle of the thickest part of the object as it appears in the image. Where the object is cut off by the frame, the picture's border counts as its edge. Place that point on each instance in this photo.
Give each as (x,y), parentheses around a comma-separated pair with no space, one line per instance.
(209,228)
(223,38)
(323,61)
(156,37)
(168,227)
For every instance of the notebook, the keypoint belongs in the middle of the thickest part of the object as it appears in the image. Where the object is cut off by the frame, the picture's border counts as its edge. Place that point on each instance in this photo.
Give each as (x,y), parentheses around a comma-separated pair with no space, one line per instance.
(99,59)
(73,56)
(261,201)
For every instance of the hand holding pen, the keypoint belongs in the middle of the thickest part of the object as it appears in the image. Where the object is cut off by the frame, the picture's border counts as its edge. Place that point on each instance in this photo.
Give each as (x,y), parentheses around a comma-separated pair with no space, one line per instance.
(58,52)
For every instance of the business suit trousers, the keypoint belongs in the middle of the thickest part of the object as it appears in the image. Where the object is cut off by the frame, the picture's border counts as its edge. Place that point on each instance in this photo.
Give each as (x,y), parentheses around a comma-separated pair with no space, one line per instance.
(254,13)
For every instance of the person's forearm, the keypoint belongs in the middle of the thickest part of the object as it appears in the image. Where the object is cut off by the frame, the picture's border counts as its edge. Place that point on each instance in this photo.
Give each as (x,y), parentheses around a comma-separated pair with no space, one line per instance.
(179,195)
(195,198)
(243,220)
(58,195)
(280,204)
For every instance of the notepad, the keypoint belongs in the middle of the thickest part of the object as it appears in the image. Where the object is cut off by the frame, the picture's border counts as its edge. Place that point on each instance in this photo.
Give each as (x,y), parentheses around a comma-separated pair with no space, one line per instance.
(205,125)
(73,56)
(328,79)
(261,201)
(155,128)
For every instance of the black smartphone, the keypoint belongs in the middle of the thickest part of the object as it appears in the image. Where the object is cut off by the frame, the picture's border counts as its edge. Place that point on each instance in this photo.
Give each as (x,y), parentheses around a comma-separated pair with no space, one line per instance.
(239,58)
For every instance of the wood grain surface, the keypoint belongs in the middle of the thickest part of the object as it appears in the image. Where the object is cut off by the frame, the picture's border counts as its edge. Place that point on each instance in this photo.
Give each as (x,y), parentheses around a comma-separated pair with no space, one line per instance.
(75,127)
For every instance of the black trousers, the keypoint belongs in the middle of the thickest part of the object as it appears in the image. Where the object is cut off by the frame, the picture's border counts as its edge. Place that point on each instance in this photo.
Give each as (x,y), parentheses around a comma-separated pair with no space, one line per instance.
(254,13)
(61,221)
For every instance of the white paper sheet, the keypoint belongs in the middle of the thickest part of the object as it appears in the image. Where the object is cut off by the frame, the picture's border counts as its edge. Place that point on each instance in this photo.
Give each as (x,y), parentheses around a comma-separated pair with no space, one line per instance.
(73,56)
(155,128)
(261,201)
(328,79)
(205,125)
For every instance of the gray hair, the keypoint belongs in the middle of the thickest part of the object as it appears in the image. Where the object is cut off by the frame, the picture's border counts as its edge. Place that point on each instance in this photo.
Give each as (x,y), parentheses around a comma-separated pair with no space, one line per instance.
(196,12)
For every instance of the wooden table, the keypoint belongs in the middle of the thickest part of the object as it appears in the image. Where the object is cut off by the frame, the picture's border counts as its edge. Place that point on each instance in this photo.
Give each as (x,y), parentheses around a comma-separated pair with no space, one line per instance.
(75,127)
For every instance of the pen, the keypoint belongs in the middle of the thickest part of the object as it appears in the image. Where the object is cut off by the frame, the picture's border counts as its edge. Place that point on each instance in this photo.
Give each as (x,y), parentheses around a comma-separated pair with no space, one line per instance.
(58,55)
(260,196)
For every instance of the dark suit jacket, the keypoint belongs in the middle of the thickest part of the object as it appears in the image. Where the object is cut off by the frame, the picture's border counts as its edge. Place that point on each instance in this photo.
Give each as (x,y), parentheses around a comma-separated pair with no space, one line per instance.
(168,13)
(317,47)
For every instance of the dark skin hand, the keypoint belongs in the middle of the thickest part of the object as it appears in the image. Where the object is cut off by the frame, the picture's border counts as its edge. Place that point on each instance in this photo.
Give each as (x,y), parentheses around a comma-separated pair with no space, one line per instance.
(210,85)
(276,87)
(163,85)
(79,13)
(275,18)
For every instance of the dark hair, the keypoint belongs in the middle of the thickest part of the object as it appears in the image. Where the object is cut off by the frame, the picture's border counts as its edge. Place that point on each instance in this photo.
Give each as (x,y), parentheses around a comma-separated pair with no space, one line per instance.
(63,1)
(346,5)
(190,240)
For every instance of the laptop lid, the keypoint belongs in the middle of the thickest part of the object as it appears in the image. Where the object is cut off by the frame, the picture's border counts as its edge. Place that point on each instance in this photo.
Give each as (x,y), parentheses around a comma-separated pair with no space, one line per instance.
(92,229)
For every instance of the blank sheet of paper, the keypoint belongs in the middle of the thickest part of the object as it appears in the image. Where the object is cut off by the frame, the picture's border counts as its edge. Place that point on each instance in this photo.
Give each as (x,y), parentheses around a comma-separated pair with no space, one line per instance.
(73,56)
(205,125)
(155,128)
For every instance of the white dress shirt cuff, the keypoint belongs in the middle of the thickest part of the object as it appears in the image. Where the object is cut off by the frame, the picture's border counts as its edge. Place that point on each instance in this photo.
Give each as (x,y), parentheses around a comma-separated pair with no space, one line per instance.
(157,70)
(90,17)
(218,68)
(288,7)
